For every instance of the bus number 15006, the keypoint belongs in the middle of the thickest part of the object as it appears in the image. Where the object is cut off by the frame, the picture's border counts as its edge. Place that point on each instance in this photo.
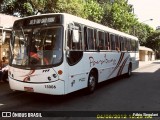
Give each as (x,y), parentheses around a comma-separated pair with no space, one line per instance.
(50,86)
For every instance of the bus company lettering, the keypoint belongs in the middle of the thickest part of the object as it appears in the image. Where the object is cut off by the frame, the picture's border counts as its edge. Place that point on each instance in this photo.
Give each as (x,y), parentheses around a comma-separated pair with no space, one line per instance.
(93,62)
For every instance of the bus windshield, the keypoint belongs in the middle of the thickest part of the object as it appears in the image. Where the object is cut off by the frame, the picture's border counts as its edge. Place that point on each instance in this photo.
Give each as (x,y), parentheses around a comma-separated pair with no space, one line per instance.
(38,46)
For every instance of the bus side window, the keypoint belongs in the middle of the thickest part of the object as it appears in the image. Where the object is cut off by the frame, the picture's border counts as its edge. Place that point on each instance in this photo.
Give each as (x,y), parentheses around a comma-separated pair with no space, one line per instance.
(120,43)
(95,39)
(137,46)
(101,40)
(112,37)
(117,42)
(129,44)
(90,39)
(125,44)
(85,38)
(69,39)
(121,40)
(77,45)
(107,41)
(80,44)
(70,44)
(133,44)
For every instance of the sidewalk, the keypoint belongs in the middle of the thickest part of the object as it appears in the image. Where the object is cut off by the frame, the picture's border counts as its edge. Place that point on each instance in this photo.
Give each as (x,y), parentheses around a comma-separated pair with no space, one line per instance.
(144,63)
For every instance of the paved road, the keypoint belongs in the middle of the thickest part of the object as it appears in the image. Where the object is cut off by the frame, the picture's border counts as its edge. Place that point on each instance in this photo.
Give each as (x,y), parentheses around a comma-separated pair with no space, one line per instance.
(141,92)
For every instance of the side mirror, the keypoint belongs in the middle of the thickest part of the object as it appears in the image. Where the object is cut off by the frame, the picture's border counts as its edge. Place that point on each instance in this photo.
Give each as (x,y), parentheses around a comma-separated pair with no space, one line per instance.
(75,36)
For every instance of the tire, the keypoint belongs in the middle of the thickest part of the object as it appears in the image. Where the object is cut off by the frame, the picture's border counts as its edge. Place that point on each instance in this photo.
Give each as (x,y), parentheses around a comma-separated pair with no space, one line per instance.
(129,73)
(92,81)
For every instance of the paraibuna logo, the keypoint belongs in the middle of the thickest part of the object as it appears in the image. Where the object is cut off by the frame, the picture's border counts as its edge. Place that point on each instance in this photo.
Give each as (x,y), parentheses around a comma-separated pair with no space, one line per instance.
(105,60)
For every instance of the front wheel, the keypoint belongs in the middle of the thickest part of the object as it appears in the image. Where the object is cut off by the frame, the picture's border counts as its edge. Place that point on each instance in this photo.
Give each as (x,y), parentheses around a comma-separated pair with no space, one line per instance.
(91,83)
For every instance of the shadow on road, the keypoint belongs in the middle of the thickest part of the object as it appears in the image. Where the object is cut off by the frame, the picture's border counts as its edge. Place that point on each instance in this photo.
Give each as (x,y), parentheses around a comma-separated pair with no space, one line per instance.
(19,100)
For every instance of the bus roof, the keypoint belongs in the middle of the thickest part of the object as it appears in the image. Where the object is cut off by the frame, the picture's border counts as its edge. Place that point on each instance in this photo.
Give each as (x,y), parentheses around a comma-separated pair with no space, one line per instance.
(87,23)
(97,25)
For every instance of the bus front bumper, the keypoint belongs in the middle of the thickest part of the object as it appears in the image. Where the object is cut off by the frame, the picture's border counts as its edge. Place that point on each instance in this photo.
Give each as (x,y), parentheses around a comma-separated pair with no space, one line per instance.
(53,88)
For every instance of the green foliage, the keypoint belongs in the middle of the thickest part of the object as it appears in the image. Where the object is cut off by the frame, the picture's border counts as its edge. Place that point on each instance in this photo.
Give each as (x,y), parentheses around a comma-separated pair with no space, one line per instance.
(74,7)
(16,6)
(28,7)
(89,9)
(118,16)
(143,31)
(153,41)
(93,11)
(44,6)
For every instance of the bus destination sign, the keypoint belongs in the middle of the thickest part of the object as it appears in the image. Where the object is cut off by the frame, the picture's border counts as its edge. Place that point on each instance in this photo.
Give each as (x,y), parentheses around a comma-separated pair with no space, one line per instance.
(41,20)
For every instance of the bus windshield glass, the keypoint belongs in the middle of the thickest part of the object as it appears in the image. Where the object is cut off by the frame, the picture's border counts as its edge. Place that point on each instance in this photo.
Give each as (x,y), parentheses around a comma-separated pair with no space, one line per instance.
(36,46)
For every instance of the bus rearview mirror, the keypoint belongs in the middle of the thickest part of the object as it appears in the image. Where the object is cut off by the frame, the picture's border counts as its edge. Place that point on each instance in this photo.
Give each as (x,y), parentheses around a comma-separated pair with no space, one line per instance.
(75,36)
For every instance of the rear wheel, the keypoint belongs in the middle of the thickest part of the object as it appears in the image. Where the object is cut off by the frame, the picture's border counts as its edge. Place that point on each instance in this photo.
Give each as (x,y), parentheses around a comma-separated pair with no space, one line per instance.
(129,73)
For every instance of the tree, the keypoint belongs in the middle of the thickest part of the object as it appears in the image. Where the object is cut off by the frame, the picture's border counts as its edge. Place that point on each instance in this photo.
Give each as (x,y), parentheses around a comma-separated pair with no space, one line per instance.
(16,7)
(118,15)
(143,31)
(44,6)
(75,7)
(89,9)
(153,41)
(93,11)
(27,7)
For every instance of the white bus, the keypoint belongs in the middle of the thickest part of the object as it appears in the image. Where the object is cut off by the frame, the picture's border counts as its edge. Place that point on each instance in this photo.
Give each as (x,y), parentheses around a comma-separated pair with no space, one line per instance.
(59,53)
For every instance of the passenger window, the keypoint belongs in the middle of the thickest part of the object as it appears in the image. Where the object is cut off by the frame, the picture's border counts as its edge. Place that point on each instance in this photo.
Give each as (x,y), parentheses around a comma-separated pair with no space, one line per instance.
(90,39)
(107,41)
(117,43)
(121,43)
(75,53)
(133,45)
(137,46)
(129,45)
(85,39)
(101,40)
(95,39)
(126,44)
(112,37)
(72,45)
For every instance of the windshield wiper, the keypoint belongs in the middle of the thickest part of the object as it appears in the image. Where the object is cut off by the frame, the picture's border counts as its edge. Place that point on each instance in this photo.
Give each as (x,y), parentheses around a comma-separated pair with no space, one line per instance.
(23,36)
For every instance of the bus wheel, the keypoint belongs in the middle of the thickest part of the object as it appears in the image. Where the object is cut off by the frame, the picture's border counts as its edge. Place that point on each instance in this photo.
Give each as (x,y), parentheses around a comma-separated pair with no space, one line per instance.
(91,83)
(129,73)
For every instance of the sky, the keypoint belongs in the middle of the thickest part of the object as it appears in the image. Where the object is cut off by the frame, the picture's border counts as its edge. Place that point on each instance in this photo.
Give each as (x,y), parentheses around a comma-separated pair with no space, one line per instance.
(147,9)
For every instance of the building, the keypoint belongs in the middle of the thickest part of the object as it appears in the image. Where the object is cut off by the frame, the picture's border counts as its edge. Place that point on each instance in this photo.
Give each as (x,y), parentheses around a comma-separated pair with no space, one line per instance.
(146,54)
(6,23)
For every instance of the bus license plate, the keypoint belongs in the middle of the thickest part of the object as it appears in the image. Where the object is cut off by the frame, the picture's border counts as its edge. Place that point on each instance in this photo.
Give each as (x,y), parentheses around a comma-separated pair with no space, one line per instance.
(28,89)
